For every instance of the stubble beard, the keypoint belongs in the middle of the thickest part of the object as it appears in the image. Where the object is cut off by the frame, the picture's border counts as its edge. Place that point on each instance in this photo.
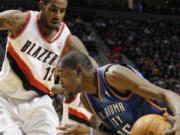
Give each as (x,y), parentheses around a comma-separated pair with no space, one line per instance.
(44,21)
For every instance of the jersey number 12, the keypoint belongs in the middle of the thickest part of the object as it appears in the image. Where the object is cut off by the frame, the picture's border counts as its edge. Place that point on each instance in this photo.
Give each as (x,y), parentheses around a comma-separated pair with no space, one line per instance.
(49,74)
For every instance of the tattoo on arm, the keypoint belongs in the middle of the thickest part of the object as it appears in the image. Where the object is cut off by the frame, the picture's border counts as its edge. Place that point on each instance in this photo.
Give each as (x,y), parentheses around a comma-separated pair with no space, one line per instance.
(1,23)
(10,19)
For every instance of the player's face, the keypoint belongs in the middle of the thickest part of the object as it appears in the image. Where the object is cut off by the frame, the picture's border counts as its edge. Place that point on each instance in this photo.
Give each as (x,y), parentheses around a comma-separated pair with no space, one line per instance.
(69,79)
(53,13)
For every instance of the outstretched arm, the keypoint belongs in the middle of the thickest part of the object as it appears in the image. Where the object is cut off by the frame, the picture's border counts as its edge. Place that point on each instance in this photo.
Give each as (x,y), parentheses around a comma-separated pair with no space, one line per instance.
(13,20)
(122,79)
(75,43)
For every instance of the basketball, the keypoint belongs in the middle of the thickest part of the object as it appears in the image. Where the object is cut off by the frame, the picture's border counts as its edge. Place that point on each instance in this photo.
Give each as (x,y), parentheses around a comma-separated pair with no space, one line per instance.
(151,124)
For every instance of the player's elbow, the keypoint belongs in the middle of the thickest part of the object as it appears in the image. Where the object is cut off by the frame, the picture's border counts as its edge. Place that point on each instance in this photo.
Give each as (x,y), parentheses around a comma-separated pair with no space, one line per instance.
(161,95)
(170,95)
(147,90)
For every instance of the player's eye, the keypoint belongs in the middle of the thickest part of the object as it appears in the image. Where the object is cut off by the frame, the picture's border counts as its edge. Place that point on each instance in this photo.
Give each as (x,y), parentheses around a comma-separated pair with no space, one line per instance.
(53,9)
(62,10)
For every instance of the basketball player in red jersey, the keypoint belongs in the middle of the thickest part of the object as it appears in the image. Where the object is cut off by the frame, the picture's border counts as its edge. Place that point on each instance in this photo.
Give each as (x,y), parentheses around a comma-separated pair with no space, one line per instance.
(35,42)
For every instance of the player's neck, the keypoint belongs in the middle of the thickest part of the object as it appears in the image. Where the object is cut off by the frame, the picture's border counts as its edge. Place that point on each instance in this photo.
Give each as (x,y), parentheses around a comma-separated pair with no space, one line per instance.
(90,85)
(46,31)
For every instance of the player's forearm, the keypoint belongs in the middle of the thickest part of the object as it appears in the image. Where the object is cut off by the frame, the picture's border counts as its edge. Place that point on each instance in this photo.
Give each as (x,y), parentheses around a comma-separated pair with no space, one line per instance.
(152,91)
(75,43)
(157,93)
(2,21)
(96,132)
(173,100)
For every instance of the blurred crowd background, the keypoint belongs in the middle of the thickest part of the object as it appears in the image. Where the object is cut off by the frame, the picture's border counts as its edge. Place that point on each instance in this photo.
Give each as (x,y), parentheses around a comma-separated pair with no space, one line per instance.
(147,37)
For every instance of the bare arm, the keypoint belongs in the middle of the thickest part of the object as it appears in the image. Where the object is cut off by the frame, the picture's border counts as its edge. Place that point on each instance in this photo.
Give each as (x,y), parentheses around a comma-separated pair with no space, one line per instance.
(75,43)
(122,78)
(13,20)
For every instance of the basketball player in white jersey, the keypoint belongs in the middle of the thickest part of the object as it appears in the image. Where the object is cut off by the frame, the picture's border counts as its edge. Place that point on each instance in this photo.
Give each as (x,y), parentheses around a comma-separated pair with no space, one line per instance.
(35,42)
(77,120)
(74,113)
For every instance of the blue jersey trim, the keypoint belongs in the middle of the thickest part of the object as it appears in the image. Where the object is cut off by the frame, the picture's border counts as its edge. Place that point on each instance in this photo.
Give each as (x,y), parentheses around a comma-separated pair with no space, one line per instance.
(102,71)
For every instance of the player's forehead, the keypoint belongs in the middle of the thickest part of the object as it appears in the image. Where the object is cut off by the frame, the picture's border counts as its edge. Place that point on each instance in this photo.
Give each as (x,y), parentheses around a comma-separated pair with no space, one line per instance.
(60,68)
(63,69)
(58,3)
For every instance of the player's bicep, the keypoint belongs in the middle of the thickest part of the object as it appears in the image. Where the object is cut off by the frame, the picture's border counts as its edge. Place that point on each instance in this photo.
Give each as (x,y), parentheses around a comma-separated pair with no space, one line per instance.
(11,19)
(75,43)
(122,79)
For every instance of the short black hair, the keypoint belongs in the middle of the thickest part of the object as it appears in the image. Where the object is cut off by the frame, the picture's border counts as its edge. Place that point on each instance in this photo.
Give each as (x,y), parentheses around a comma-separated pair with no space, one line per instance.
(75,58)
(47,1)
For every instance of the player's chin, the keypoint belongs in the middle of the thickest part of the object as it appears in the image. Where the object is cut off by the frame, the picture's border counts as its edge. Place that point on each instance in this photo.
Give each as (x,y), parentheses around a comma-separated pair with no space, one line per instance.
(54,26)
(73,90)
(69,89)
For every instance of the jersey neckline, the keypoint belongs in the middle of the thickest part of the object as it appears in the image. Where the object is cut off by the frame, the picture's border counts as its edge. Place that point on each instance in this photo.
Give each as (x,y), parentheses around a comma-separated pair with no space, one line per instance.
(125,96)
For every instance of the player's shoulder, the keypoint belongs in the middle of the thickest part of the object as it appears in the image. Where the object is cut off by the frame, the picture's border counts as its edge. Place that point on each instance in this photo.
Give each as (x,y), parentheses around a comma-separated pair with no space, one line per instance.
(33,12)
(114,69)
(117,72)
(13,19)
(16,13)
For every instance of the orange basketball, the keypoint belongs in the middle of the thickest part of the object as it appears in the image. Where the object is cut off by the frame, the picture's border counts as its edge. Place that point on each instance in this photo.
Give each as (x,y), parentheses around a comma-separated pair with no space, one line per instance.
(151,124)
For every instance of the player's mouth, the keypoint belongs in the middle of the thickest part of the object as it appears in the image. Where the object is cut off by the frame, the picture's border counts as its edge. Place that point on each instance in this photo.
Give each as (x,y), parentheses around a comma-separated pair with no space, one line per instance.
(55,22)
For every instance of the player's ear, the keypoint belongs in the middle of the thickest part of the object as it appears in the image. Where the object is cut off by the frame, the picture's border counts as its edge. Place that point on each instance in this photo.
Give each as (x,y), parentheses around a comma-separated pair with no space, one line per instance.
(78,69)
(41,5)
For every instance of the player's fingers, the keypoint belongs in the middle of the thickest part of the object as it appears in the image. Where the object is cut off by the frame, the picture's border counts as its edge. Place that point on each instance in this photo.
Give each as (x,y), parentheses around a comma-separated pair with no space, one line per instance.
(177,133)
(57,89)
(60,134)
(63,133)
(62,128)
(58,128)
(68,125)
(170,131)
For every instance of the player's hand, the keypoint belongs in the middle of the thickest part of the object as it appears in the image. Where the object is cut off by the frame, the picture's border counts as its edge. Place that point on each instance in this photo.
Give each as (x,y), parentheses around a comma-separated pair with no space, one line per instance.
(58,89)
(78,129)
(176,129)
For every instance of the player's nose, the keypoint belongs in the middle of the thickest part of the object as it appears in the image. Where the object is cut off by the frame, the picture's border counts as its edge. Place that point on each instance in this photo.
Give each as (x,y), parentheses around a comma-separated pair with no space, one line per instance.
(57,16)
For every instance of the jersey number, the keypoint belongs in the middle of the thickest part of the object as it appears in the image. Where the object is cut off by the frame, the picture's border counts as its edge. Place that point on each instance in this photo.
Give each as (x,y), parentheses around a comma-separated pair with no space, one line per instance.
(49,73)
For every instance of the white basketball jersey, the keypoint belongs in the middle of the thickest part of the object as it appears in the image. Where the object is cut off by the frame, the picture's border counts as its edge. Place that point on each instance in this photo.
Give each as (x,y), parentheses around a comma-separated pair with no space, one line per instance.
(74,112)
(30,60)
